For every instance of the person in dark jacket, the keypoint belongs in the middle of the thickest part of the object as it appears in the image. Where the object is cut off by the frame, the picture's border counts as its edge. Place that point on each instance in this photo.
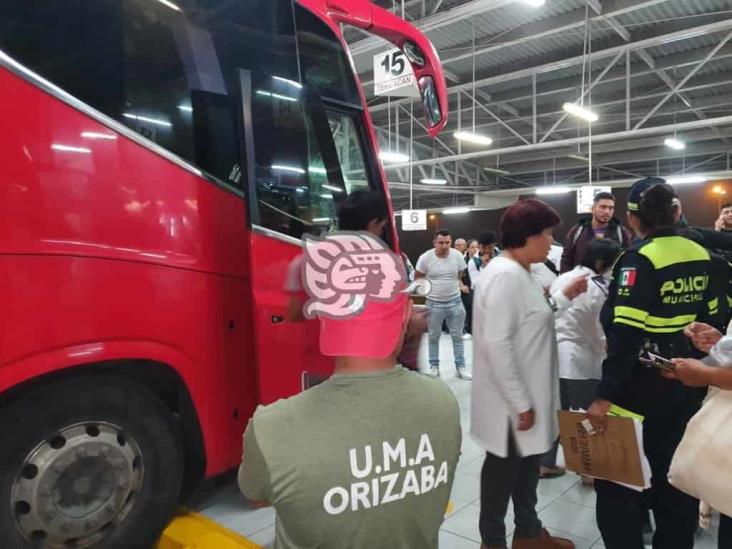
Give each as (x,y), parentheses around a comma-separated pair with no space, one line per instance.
(720,280)
(600,224)
(659,287)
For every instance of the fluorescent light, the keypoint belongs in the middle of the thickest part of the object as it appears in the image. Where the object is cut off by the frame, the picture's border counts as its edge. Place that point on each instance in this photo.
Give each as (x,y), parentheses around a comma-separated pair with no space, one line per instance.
(683,179)
(301,189)
(332,188)
(68,148)
(475,138)
(675,144)
(97,135)
(169,4)
(450,211)
(388,156)
(317,169)
(320,219)
(285,168)
(497,171)
(288,81)
(428,181)
(327,196)
(534,3)
(578,157)
(185,108)
(147,119)
(276,96)
(580,112)
(553,190)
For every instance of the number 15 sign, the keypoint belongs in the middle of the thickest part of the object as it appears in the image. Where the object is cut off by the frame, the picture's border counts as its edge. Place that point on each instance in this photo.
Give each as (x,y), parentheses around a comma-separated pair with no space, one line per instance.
(393,75)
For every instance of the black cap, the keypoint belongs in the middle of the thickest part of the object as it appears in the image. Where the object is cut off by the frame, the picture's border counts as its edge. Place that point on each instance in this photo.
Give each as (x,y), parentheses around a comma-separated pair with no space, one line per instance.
(638,190)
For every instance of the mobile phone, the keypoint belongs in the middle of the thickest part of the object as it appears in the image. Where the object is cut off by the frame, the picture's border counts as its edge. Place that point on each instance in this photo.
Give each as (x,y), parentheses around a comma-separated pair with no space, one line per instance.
(655,361)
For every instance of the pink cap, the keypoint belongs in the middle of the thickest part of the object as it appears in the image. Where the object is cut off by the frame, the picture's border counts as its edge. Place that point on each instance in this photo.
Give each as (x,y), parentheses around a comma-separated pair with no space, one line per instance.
(373,333)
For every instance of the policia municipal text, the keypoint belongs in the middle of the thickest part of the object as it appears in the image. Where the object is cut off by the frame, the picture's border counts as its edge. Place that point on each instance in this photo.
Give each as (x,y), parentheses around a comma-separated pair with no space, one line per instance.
(659,287)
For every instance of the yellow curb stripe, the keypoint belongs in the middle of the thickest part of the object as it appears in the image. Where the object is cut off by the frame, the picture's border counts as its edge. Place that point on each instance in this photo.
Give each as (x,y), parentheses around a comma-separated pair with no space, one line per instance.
(191,530)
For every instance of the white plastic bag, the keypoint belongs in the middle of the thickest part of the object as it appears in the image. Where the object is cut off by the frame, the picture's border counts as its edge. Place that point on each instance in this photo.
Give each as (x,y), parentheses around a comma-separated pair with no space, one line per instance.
(702,465)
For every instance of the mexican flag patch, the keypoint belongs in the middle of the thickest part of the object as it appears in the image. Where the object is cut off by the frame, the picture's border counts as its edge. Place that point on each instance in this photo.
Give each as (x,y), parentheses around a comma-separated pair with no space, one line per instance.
(627,277)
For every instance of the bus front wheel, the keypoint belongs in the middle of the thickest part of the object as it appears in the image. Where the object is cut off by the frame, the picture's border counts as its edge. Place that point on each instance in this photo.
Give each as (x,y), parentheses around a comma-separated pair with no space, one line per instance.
(94,461)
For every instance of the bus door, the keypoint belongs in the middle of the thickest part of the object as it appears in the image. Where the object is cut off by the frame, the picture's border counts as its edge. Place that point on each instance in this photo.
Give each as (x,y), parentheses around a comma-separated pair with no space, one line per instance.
(301,159)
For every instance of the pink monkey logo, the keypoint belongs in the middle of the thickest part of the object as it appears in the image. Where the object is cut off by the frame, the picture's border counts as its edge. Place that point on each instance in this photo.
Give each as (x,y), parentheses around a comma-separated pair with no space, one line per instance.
(342,271)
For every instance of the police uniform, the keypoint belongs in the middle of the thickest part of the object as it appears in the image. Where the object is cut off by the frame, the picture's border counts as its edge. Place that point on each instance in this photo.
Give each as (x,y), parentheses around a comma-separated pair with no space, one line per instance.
(659,287)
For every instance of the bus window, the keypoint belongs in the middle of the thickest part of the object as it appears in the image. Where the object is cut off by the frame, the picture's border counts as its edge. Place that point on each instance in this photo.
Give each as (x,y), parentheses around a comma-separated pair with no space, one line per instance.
(165,70)
(308,156)
(348,144)
(323,61)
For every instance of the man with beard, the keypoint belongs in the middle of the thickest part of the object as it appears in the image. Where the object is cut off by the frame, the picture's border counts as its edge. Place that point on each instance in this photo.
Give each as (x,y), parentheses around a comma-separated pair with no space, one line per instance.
(600,224)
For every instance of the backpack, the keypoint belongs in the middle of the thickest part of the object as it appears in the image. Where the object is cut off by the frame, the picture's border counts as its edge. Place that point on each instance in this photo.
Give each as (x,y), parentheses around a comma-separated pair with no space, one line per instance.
(581,228)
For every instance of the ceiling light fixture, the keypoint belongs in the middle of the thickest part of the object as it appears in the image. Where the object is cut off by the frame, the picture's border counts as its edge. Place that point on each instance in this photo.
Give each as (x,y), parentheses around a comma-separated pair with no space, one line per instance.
(333,188)
(475,138)
(553,190)
(684,179)
(170,5)
(580,112)
(497,171)
(578,157)
(451,211)
(675,144)
(393,157)
(533,3)
(429,181)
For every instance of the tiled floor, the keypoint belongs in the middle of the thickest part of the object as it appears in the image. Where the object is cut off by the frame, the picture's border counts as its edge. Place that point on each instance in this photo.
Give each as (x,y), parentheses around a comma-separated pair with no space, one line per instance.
(565,506)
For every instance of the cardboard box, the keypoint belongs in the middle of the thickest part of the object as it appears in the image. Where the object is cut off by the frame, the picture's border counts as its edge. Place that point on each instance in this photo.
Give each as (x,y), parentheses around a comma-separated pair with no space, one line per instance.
(615,455)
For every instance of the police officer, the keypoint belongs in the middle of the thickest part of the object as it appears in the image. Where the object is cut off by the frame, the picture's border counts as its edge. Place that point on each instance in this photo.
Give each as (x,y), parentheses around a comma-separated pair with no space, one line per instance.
(659,287)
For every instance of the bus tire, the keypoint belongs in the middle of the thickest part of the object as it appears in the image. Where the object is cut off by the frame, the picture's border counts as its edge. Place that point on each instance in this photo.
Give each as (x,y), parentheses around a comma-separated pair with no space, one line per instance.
(94,461)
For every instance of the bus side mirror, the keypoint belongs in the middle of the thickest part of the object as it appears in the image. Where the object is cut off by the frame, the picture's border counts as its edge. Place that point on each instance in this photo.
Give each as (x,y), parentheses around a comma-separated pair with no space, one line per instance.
(429,99)
(416,47)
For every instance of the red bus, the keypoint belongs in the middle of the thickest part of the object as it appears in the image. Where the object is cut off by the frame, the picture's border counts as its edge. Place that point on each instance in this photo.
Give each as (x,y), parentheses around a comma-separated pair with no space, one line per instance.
(159,162)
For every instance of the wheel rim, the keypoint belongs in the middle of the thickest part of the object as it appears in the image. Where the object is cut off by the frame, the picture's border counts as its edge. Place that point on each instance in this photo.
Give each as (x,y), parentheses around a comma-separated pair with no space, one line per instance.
(76,486)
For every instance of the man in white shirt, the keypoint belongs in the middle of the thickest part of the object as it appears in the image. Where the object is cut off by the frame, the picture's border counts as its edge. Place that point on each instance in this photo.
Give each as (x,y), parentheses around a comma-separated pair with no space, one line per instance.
(443,267)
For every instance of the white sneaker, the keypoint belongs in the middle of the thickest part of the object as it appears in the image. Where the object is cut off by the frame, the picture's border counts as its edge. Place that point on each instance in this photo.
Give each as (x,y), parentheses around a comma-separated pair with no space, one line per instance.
(467,337)
(463,374)
(434,371)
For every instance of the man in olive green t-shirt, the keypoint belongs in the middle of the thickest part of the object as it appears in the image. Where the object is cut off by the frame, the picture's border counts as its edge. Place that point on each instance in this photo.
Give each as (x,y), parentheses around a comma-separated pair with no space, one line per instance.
(367,458)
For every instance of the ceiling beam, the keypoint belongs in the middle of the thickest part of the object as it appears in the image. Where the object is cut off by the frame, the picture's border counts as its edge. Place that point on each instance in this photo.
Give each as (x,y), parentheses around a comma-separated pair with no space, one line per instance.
(433,22)
(684,80)
(544,28)
(610,104)
(502,76)
(615,136)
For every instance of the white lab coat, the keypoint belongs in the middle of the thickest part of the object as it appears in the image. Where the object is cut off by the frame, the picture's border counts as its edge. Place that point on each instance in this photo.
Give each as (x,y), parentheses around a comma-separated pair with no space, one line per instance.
(580,337)
(516,367)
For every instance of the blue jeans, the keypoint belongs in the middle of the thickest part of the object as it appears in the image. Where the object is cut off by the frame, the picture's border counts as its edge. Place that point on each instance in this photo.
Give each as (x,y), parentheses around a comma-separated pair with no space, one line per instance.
(454,313)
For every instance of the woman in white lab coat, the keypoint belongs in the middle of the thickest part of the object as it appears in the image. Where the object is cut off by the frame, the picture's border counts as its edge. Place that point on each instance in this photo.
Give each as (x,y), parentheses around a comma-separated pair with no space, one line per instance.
(580,337)
(515,393)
